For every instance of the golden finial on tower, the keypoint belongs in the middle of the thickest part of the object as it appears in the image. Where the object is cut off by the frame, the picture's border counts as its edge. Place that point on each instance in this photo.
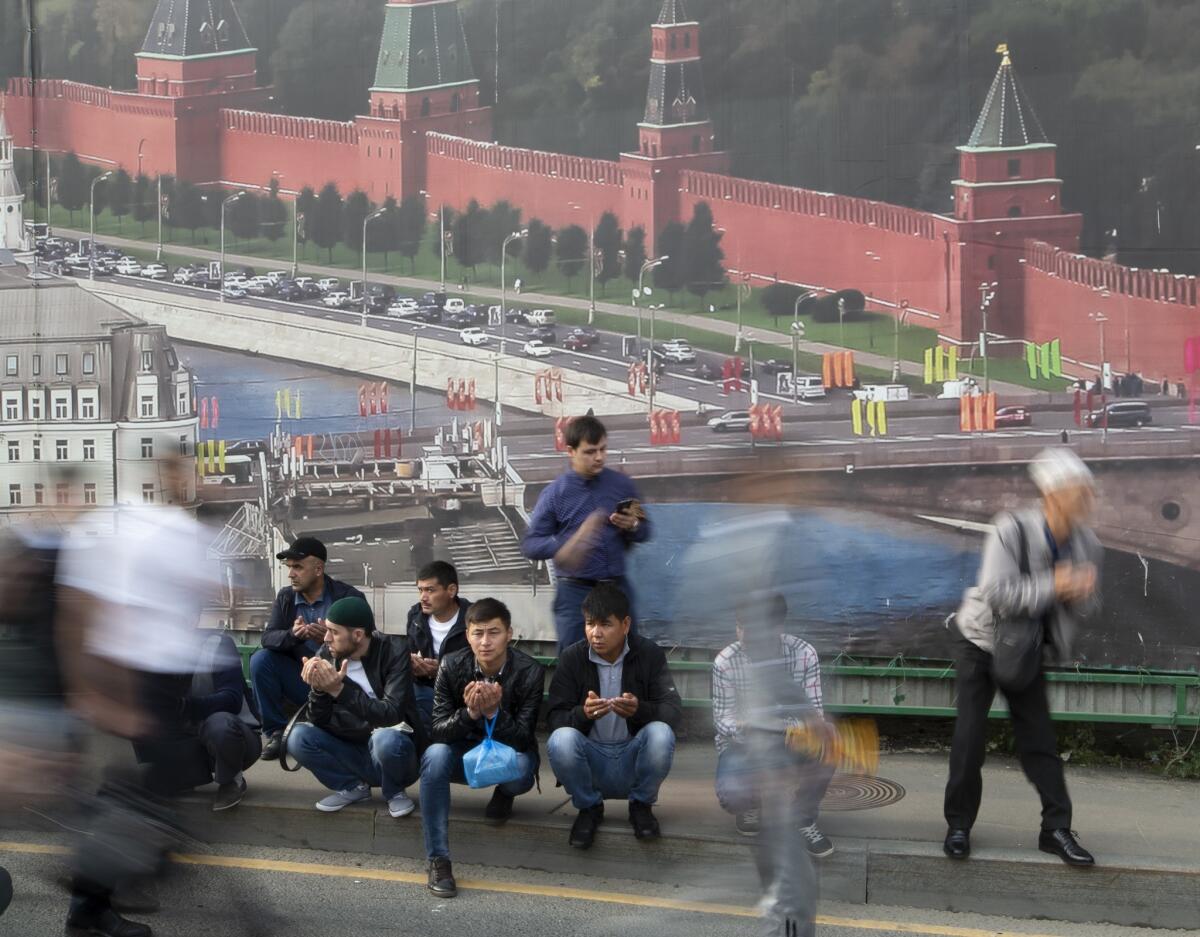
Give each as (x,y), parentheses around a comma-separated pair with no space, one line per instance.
(1002,49)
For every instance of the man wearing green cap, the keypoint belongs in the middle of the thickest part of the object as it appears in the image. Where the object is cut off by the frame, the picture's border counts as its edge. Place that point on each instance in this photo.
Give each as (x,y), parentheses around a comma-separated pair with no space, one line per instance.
(360,692)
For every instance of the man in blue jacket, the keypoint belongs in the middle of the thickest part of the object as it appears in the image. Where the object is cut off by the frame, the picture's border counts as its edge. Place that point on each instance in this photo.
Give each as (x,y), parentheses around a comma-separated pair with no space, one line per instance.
(585,521)
(295,631)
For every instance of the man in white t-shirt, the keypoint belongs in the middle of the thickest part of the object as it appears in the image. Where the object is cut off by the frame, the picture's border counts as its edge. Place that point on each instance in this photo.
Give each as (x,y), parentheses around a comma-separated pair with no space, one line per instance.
(437,627)
(361,692)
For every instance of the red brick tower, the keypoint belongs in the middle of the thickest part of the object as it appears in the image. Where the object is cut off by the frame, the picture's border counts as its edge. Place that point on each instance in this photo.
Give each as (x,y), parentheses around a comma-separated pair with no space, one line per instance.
(676,132)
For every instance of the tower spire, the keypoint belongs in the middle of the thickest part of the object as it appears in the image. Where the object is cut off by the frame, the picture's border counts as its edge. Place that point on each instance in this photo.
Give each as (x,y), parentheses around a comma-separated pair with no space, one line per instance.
(1007,118)
(12,225)
(424,67)
(676,121)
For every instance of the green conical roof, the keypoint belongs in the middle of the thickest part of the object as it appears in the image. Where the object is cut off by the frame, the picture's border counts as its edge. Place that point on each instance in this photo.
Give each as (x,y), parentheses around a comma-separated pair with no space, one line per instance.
(1007,119)
(195,27)
(424,46)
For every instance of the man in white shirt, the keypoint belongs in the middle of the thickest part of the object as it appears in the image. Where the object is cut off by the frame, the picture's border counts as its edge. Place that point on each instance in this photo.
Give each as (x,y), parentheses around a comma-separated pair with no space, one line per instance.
(437,627)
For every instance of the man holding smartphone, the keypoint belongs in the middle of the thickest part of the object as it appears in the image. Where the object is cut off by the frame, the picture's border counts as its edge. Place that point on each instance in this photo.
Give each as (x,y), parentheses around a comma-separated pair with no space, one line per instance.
(585,521)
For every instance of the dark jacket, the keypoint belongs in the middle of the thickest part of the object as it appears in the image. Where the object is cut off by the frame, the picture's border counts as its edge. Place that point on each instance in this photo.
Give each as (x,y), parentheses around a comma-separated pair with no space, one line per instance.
(218,685)
(645,674)
(278,634)
(521,681)
(353,714)
(420,639)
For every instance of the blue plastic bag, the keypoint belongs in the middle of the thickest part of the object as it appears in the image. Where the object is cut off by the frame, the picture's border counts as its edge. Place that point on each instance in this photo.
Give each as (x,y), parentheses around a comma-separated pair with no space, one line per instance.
(491,762)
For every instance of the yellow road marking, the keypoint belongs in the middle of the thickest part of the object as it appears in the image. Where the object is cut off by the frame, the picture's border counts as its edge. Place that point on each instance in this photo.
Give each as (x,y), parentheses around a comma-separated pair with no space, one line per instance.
(542,891)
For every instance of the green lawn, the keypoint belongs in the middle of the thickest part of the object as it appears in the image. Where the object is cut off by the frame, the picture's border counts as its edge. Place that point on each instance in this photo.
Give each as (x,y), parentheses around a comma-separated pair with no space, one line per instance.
(874,333)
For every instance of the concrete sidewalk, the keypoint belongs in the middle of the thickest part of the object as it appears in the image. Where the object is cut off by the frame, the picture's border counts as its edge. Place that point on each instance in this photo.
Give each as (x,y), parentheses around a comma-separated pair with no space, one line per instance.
(1143,830)
(717,326)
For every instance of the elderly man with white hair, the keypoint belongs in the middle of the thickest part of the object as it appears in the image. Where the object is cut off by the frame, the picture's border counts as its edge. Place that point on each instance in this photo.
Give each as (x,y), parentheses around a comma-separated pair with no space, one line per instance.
(1038,579)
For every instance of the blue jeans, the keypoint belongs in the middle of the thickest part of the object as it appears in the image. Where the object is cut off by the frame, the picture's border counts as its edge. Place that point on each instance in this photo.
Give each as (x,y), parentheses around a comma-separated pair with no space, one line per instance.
(568,609)
(424,696)
(592,771)
(442,765)
(275,677)
(739,784)
(388,760)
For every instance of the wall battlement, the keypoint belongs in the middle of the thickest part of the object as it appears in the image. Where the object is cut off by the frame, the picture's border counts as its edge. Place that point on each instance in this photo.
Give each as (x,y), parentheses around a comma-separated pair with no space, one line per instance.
(1156,285)
(296,128)
(515,159)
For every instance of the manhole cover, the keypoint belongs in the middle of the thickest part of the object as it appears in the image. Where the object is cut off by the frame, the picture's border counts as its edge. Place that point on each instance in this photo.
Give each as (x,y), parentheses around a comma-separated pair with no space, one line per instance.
(859,792)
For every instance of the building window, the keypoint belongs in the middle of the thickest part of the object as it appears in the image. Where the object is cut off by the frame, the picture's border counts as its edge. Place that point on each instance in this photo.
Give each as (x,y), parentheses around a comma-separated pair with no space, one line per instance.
(455,103)
(148,493)
(673,42)
(696,143)
(61,451)
(89,450)
(991,261)
(14,494)
(39,493)
(687,40)
(14,451)
(12,406)
(425,106)
(147,447)
(181,405)
(87,405)
(10,366)
(89,363)
(37,449)
(146,405)
(62,493)
(183,445)
(62,404)
(37,365)
(1014,211)
(89,492)
(60,364)
(35,404)
(147,361)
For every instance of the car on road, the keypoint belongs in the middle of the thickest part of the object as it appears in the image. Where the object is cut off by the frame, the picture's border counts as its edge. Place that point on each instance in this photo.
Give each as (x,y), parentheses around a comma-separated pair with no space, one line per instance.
(128,266)
(459,320)
(260,286)
(304,282)
(1121,413)
(536,349)
(730,421)
(337,299)
(454,304)
(203,281)
(329,284)
(276,276)
(185,274)
(540,317)
(431,314)
(289,292)
(586,330)
(578,342)
(1014,416)
(234,291)
(405,306)
(433,299)
(772,366)
(707,372)
(544,333)
(679,353)
(473,336)
(515,317)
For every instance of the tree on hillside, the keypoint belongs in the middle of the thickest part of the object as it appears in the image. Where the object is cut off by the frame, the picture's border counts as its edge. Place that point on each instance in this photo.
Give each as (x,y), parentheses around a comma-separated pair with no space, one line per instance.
(187,209)
(273,220)
(703,270)
(635,254)
(143,203)
(571,251)
(779,299)
(120,192)
(503,220)
(306,207)
(243,216)
(72,185)
(669,274)
(439,224)
(383,235)
(354,211)
(470,242)
(607,240)
(410,228)
(325,223)
(539,245)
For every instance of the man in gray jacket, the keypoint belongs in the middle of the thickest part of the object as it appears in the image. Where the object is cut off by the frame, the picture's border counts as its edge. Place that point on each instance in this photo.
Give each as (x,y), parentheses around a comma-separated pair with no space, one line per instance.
(1055,584)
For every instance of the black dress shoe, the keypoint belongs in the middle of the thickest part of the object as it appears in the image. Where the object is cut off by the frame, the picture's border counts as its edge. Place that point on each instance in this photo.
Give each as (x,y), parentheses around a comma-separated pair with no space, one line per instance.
(272,745)
(229,795)
(105,923)
(643,820)
(441,878)
(583,830)
(1062,843)
(499,808)
(957,844)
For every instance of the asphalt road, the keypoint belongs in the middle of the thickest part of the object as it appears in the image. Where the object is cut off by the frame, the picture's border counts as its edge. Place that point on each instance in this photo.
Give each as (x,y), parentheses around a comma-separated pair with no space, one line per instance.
(241,892)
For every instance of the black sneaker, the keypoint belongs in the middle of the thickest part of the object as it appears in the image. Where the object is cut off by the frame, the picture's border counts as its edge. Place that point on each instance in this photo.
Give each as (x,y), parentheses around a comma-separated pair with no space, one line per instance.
(441,878)
(106,923)
(272,745)
(641,817)
(583,830)
(816,842)
(747,823)
(230,795)
(499,808)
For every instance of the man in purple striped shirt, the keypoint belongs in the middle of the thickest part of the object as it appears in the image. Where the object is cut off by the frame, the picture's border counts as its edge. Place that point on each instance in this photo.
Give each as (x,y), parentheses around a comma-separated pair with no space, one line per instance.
(585,521)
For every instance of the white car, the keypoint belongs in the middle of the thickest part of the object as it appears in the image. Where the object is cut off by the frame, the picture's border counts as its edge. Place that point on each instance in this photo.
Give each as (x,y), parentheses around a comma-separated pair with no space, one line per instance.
(454,305)
(730,421)
(128,266)
(276,275)
(303,282)
(682,354)
(336,300)
(155,272)
(234,291)
(473,336)
(403,307)
(328,284)
(184,275)
(536,349)
(540,317)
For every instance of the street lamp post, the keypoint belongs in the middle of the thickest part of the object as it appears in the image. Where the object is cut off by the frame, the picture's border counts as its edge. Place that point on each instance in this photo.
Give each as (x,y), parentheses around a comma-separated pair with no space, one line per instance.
(743,289)
(648,265)
(591,263)
(92,224)
(366,221)
(797,332)
(987,293)
(515,236)
(295,237)
(224,203)
(158,253)
(1100,318)
(900,319)
(653,379)
(412,387)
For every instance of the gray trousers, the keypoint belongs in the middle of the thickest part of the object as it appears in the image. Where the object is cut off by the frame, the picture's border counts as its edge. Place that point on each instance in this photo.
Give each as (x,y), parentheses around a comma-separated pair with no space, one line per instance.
(232,745)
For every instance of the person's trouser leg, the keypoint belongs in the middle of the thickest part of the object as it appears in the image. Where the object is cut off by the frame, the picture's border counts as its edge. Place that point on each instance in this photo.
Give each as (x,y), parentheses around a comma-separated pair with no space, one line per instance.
(275,677)
(1037,747)
(571,756)
(737,786)
(528,764)
(423,692)
(568,612)
(336,763)
(814,782)
(787,870)
(232,745)
(974,692)
(647,761)
(440,765)
(395,759)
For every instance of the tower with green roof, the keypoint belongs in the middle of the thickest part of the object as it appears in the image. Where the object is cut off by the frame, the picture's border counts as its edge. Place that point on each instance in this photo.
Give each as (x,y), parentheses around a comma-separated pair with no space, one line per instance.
(195,48)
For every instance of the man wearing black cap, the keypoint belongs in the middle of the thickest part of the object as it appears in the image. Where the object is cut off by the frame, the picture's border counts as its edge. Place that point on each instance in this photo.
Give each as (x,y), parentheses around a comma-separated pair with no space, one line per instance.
(296,630)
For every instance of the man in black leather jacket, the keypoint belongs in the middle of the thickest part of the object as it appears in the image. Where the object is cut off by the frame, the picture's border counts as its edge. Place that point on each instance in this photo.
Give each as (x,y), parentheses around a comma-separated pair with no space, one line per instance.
(361,693)
(437,627)
(486,681)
